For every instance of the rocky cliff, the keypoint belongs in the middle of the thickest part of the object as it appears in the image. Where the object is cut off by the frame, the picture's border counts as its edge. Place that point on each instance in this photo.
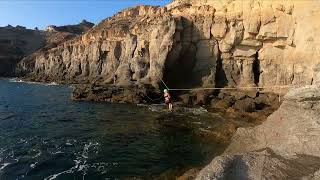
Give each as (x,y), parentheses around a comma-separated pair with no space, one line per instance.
(202,43)
(80,28)
(19,42)
(192,43)
(15,43)
(285,146)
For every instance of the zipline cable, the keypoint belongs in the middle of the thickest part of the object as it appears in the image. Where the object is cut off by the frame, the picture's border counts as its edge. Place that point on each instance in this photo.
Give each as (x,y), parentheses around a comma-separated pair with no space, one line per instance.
(226,88)
(229,88)
(153,99)
(165,84)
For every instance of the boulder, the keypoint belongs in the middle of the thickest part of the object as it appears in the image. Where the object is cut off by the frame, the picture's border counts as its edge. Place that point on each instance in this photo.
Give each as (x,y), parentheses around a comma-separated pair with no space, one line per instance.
(186,99)
(202,98)
(222,104)
(246,105)
(285,146)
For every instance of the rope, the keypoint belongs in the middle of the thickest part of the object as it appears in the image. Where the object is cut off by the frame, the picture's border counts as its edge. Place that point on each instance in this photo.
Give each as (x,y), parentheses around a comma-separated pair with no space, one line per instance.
(231,88)
(153,99)
(226,88)
(165,84)
(157,99)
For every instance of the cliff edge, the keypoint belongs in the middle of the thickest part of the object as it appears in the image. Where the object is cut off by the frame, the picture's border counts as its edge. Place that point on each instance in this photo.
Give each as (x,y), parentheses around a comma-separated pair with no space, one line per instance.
(192,44)
(19,42)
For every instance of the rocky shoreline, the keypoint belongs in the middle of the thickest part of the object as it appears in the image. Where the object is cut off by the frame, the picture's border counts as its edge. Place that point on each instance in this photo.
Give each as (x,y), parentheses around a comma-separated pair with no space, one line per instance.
(260,137)
(198,44)
(235,109)
(285,146)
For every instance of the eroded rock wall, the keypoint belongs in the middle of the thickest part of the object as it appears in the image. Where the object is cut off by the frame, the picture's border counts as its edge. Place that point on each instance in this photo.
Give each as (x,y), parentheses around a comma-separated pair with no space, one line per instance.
(261,42)
(19,42)
(15,43)
(193,44)
(131,46)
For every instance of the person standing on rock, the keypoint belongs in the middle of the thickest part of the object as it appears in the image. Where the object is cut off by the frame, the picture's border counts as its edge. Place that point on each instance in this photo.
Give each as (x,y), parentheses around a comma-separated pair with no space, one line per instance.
(167,99)
(115,77)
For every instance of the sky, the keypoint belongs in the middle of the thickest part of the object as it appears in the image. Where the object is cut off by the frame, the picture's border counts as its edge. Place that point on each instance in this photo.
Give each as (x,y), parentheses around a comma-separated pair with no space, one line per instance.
(41,13)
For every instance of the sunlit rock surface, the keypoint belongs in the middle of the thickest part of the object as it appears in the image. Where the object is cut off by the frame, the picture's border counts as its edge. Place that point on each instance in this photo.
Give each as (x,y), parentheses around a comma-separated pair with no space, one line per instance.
(19,42)
(192,44)
(285,146)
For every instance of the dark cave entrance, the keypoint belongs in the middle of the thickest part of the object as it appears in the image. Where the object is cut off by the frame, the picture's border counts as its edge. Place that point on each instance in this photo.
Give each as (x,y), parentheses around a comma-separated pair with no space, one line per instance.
(256,69)
(221,77)
(178,70)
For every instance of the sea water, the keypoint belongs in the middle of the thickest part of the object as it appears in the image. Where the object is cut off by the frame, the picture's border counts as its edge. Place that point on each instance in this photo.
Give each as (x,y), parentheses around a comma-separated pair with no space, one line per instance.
(46,135)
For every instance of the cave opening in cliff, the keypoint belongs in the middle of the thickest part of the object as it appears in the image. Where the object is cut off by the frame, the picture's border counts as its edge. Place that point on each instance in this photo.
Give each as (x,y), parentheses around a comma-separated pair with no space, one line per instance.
(220,78)
(256,69)
(179,73)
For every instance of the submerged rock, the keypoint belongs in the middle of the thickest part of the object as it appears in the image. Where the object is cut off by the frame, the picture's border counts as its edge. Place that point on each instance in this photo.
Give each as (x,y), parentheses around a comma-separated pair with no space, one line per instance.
(135,94)
(285,146)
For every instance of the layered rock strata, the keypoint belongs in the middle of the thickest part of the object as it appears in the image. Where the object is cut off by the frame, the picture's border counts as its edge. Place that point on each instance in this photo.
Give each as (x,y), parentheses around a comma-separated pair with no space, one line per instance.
(19,42)
(192,44)
(15,43)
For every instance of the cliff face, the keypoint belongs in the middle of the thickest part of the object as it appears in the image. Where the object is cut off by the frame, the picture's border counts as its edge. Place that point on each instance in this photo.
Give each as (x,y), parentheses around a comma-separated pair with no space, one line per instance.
(133,44)
(261,42)
(15,43)
(193,43)
(19,42)
(80,28)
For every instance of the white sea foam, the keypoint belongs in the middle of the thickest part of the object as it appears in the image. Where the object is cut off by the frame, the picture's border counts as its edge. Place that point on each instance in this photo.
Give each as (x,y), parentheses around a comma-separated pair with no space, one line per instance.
(52,84)
(76,167)
(70,142)
(54,176)
(17,80)
(180,110)
(33,165)
(4,165)
(58,152)
(85,152)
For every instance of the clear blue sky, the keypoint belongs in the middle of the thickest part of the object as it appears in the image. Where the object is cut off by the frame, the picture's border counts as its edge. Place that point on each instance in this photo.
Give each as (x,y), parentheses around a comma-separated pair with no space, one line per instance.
(41,13)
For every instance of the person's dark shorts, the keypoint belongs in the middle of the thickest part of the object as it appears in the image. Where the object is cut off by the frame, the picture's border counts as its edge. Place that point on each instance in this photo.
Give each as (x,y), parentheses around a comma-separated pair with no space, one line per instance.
(168,101)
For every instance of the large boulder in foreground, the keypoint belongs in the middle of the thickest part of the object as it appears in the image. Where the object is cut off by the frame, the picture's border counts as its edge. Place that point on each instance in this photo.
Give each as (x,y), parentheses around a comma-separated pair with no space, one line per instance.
(286,146)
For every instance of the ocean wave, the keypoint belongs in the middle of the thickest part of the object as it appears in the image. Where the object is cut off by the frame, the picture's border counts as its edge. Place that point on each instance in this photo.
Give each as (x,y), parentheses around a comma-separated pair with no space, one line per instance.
(83,168)
(52,84)
(54,176)
(162,108)
(17,80)
(33,165)
(4,165)
(89,147)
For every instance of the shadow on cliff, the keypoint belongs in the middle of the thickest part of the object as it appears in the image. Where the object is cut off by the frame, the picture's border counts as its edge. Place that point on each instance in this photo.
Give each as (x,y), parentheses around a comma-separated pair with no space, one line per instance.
(198,58)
